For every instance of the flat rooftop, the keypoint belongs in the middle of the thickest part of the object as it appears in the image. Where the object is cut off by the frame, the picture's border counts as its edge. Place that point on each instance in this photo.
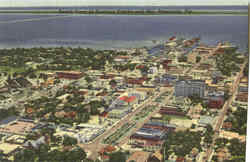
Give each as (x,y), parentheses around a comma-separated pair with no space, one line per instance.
(18,127)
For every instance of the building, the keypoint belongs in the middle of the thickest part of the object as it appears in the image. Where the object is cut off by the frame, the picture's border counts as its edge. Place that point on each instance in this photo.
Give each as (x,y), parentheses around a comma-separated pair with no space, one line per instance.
(242,97)
(18,127)
(139,156)
(69,74)
(191,58)
(171,111)
(35,143)
(243,88)
(215,102)
(160,126)
(205,120)
(148,138)
(156,157)
(121,59)
(118,113)
(189,88)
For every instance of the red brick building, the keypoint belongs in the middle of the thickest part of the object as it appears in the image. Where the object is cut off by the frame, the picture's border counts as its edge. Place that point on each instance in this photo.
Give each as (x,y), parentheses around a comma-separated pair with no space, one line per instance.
(69,75)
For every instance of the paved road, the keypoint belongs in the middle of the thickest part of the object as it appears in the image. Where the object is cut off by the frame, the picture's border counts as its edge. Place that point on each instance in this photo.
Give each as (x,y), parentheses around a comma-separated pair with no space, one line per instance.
(96,145)
(202,58)
(140,124)
(223,113)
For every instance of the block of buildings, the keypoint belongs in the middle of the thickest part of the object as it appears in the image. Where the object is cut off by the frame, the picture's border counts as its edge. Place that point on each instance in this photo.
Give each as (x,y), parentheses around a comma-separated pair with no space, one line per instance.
(188,88)
(69,74)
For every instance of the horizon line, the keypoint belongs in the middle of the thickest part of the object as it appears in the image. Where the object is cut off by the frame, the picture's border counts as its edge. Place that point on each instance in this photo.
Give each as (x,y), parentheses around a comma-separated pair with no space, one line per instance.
(121,5)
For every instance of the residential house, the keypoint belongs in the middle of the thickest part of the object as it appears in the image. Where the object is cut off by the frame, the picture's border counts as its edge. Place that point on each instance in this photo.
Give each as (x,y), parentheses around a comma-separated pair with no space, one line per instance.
(139,156)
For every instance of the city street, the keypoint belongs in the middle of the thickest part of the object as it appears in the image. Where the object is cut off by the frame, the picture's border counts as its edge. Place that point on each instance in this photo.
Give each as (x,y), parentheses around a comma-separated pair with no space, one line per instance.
(222,115)
(96,145)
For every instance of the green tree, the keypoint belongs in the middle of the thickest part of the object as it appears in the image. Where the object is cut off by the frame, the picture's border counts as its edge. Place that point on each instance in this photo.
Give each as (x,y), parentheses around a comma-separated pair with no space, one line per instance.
(69,141)
(166,118)
(117,157)
(198,59)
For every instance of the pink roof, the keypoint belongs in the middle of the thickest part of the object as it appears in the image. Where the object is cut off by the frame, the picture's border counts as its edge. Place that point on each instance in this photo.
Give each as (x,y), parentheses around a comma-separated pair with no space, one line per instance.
(127,99)
(123,98)
(130,99)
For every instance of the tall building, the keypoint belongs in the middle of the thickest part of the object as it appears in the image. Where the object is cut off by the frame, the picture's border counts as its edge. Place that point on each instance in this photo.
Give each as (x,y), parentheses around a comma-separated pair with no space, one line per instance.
(189,88)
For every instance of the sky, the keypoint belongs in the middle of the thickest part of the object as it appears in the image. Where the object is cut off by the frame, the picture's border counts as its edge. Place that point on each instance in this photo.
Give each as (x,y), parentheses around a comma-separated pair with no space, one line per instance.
(22,3)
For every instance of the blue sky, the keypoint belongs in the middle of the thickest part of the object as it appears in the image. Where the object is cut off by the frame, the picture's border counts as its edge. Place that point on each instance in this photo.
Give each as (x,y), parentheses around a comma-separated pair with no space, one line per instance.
(13,3)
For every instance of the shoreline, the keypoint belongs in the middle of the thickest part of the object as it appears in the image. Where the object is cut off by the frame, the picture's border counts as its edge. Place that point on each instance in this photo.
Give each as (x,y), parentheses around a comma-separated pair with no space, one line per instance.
(128,13)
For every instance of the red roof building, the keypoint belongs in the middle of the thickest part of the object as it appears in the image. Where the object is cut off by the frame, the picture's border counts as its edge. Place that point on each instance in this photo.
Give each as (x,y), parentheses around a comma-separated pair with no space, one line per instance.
(128,99)
(69,75)
(171,111)
(107,149)
(215,104)
(104,114)
(227,125)
(140,67)
(180,159)
(242,97)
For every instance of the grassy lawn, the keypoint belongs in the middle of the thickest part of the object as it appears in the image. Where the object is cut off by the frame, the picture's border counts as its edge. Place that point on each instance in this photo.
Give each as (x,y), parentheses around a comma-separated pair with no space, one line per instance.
(11,70)
(144,113)
(119,133)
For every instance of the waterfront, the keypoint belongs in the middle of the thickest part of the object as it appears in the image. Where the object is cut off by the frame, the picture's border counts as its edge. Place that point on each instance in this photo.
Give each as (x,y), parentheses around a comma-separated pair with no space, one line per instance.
(29,30)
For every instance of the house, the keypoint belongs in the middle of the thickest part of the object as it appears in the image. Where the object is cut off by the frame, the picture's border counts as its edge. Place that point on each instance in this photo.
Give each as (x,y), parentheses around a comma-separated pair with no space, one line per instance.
(9,149)
(69,74)
(242,97)
(139,156)
(121,59)
(232,135)
(19,82)
(244,80)
(156,157)
(205,120)
(103,152)
(227,125)
(191,57)
(180,159)
(118,113)
(4,89)
(243,88)
(35,143)
(129,99)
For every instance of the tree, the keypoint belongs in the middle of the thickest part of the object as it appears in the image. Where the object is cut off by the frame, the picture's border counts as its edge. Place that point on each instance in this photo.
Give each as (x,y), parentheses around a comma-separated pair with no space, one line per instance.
(25,155)
(208,139)
(88,79)
(166,118)
(193,126)
(69,141)
(76,155)
(195,99)
(112,82)
(182,58)
(117,157)
(198,59)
